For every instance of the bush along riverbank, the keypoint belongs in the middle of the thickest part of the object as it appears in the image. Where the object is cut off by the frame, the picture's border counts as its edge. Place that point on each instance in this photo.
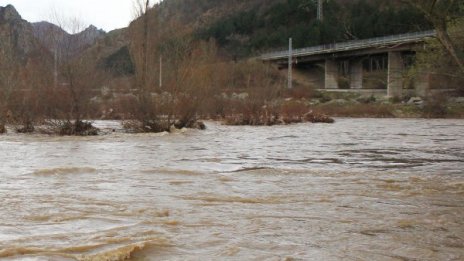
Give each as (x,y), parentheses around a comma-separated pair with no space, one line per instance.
(265,119)
(286,113)
(167,115)
(357,106)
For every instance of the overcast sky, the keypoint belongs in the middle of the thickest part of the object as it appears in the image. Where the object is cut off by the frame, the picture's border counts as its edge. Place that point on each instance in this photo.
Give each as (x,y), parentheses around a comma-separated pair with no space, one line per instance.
(104,14)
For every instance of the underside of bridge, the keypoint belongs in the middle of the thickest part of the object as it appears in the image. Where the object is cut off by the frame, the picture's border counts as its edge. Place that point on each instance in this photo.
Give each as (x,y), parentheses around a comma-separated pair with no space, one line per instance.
(380,73)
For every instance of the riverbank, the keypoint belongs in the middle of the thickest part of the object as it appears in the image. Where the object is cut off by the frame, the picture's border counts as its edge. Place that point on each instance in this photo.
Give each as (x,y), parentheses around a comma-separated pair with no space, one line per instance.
(319,108)
(391,110)
(355,106)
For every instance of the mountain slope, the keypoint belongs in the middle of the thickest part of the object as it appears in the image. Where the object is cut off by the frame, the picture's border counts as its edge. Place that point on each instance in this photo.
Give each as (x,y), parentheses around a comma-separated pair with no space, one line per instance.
(54,37)
(265,27)
(17,41)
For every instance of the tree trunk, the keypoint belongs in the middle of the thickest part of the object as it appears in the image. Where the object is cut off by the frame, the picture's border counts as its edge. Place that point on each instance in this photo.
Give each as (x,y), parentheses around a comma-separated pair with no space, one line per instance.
(446,41)
(439,18)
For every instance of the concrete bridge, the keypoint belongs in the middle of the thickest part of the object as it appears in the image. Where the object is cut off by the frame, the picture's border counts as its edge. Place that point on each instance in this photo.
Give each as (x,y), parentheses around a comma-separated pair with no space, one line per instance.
(351,59)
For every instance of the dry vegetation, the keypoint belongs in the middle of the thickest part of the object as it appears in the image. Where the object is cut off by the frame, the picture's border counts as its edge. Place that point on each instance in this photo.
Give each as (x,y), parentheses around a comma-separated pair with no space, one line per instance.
(177,80)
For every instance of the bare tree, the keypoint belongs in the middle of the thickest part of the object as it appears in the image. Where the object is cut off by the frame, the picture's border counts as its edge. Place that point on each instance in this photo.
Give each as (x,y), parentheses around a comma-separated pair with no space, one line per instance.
(75,81)
(9,75)
(29,100)
(441,13)
(143,49)
(188,71)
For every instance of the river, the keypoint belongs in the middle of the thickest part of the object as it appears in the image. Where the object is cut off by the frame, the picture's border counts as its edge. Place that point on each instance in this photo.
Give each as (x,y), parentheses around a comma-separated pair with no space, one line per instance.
(359,189)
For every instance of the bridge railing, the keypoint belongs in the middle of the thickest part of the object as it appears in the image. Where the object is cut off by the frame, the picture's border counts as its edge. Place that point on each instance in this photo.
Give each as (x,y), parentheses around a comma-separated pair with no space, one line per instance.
(350,45)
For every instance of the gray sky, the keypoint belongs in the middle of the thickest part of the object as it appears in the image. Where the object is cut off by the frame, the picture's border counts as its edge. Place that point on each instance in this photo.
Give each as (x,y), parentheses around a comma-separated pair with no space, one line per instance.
(105,14)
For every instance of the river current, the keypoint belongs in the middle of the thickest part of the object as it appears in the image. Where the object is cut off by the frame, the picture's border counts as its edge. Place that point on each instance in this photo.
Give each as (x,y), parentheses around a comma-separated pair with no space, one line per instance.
(359,189)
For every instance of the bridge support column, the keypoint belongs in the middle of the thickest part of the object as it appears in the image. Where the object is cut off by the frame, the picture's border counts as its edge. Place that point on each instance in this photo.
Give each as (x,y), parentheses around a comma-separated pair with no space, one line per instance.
(395,74)
(331,74)
(422,84)
(356,74)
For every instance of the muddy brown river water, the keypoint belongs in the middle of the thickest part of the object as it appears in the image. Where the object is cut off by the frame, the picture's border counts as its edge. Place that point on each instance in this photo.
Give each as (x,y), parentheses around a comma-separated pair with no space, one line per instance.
(360,189)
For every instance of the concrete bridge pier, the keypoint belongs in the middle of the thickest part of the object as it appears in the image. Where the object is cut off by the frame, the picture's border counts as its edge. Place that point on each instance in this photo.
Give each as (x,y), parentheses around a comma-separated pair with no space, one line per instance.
(331,74)
(395,74)
(356,74)
(422,84)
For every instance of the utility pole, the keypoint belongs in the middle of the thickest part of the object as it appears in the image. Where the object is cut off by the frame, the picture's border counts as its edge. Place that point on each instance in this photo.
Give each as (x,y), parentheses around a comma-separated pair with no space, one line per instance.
(161,72)
(290,64)
(55,67)
(320,10)
(160,54)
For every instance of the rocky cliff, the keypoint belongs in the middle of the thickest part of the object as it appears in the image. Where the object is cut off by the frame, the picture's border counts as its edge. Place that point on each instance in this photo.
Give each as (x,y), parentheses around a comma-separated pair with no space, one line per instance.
(54,37)
(17,41)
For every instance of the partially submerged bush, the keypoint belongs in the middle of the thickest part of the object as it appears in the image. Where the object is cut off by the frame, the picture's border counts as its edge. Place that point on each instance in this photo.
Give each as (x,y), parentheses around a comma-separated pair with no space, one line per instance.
(70,128)
(28,127)
(161,125)
(435,107)
(78,128)
(190,124)
(277,114)
(276,119)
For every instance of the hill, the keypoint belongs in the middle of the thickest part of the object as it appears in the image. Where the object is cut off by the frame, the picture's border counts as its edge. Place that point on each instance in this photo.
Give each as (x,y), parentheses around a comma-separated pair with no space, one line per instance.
(262,27)
(240,28)
(54,37)
(17,41)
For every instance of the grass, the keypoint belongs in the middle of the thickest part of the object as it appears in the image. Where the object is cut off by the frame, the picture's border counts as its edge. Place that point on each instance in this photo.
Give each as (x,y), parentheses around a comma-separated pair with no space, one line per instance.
(356,110)
(391,110)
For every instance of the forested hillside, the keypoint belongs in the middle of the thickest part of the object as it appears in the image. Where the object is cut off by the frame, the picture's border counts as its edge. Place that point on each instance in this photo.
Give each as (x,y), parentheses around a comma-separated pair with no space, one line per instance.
(266,25)
(243,28)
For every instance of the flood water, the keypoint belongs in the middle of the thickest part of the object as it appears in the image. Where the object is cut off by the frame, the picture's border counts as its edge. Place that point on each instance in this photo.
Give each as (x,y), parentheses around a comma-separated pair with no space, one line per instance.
(360,189)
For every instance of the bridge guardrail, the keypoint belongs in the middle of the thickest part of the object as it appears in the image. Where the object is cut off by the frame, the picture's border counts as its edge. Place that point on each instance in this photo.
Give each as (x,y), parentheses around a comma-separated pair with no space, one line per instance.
(355,44)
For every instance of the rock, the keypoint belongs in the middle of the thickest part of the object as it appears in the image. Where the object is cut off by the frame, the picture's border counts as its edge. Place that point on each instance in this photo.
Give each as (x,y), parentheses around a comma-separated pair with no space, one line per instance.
(338,101)
(107,114)
(106,93)
(415,101)
(240,96)
(459,100)
(27,128)
(199,125)
(9,13)
(96,99)
(366,100)
(167,96)
(173,128)
(243,96)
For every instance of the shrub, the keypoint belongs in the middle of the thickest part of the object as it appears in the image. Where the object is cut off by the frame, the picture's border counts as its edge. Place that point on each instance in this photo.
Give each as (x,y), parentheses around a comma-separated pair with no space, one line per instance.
(435,107)
(69,128)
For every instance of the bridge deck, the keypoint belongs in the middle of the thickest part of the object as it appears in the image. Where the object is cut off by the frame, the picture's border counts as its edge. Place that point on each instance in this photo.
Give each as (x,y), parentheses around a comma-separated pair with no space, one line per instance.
(351,45)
